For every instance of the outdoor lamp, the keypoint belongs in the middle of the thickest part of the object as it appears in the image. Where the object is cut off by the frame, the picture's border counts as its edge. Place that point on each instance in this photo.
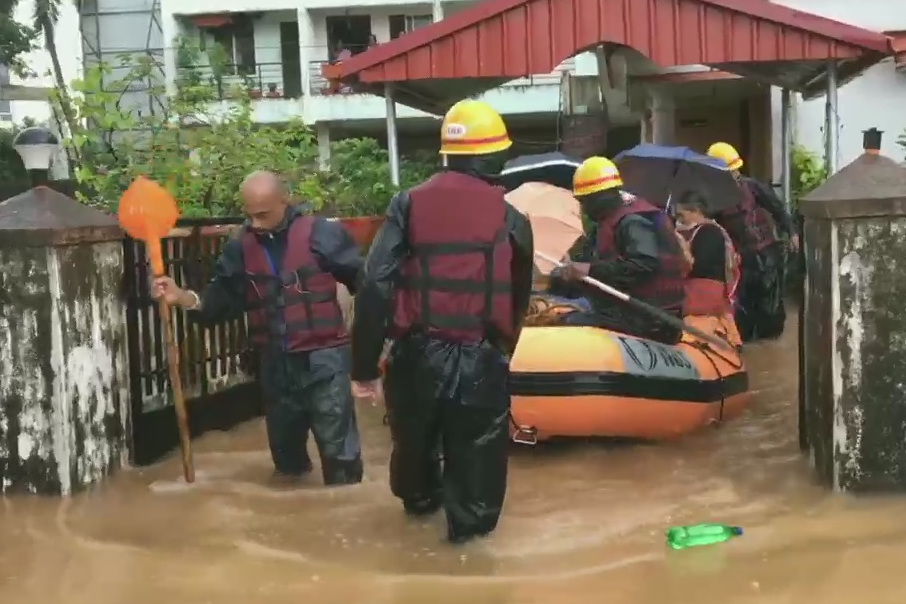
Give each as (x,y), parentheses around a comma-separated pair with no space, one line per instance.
(37,147)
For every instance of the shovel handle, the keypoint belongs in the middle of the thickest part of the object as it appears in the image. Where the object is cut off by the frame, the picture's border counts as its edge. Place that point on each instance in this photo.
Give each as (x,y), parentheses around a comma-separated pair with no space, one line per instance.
(179,401)
(155,258)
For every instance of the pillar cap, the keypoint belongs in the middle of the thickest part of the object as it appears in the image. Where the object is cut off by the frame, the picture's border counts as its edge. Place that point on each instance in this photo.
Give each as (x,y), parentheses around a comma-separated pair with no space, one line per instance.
(872,185)
(42,217)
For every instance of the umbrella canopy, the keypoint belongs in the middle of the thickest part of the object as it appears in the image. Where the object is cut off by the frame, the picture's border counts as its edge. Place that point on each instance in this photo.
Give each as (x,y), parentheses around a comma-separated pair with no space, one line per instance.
(659,173)
(555,216)
(554,169)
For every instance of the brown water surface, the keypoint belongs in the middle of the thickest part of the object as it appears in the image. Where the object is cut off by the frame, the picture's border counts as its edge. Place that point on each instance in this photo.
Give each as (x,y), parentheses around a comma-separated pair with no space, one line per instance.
(583,523)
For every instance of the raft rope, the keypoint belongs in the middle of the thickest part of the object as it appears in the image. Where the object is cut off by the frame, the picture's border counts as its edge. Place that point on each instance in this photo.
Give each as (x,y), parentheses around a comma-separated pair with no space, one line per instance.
(541,312)
(707,350)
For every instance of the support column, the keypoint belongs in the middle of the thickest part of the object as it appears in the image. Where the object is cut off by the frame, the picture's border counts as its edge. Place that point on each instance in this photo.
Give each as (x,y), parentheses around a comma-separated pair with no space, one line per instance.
(65,415)
(392,141)
(322,130)
(170,32)
(437,10)
(786,145)
(663,117)
(306,42)
(855,324)
(831,120)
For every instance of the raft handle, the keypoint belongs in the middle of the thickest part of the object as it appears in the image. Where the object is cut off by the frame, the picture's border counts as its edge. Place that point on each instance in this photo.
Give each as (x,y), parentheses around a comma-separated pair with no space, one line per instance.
(525,435)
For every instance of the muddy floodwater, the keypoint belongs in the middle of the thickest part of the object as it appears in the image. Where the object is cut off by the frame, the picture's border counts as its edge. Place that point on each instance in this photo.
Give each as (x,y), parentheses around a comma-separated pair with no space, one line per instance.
(583,523)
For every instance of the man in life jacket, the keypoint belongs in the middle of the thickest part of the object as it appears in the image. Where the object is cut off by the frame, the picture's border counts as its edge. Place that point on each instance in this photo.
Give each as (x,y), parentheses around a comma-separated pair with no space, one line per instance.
(753,226)
(711,284)
(448,278)
(636,251)
(282,270)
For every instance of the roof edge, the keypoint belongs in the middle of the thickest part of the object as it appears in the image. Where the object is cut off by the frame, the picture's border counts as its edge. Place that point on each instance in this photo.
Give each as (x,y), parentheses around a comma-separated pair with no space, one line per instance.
(761,9)
(804,20)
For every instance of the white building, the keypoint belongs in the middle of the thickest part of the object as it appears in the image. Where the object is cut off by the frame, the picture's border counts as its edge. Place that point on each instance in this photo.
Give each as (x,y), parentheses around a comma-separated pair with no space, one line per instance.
(282,44)
(875,99)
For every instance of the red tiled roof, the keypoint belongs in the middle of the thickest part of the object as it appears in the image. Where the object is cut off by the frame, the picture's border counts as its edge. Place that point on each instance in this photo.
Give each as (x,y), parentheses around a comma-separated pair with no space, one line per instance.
(500,40)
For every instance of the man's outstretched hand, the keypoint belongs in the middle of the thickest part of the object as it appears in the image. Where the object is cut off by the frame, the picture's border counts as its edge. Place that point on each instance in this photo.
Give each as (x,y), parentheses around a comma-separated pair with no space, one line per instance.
(166,288)
(367,390)
(575,271)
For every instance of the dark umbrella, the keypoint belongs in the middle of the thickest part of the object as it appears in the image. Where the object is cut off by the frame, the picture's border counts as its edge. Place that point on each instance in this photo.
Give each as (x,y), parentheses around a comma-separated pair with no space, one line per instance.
(658,174)
(554,169)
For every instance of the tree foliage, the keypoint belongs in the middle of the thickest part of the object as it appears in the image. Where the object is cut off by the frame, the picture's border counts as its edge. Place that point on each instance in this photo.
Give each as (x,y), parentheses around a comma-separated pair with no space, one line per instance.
(16,39)
(201,148)
(808,172)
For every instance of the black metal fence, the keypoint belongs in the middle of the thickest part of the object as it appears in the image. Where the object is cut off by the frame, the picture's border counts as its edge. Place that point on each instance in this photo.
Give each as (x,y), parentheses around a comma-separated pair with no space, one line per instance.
(216,364)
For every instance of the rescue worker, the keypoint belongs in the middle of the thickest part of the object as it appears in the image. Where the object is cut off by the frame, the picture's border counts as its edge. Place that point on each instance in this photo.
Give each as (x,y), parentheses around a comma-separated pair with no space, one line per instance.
(753,226)
(282,270)
(448,278)
(712,282)
(636,251)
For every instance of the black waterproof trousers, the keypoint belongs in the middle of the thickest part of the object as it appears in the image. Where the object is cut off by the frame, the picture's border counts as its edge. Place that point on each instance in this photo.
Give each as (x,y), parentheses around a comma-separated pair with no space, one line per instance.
(448,407)
(312,391)
(760,313)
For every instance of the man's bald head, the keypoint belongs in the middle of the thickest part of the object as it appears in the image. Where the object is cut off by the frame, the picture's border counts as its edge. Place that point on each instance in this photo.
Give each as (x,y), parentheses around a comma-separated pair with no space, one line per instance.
(264,197)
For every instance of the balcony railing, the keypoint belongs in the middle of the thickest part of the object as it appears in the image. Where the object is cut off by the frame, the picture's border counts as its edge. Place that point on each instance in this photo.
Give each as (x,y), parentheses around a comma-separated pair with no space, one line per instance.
(320,85)
(265,80)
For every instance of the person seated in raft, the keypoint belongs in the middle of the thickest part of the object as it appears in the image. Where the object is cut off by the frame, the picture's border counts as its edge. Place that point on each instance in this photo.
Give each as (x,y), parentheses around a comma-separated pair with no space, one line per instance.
(712,282)
(636,250)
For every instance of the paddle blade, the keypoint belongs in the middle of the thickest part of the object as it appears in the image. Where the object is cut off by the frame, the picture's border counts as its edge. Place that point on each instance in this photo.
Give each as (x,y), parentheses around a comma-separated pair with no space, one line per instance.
(147,211)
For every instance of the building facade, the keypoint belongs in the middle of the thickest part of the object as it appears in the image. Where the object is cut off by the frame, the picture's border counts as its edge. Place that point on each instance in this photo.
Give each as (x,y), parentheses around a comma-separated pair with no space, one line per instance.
(280,45)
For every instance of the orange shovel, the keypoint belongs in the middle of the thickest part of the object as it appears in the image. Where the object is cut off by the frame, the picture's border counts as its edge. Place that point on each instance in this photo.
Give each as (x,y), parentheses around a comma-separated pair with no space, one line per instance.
(147,212)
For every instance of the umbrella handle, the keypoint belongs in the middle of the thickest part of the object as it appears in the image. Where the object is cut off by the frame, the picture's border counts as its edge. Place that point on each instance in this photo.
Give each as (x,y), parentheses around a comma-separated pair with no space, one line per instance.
(647,308)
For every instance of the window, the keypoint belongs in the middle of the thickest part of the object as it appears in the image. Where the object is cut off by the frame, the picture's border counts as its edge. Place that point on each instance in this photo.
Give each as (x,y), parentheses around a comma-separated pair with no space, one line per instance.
(238,41)
(400,24)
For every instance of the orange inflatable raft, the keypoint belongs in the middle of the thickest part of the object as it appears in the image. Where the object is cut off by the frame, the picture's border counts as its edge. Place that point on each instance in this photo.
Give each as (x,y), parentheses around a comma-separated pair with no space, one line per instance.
(585,381)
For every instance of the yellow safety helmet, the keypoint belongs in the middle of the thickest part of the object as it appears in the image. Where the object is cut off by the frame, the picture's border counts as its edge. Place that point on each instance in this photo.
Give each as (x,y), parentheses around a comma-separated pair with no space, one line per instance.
(727,154)
(473,128)
(596,174)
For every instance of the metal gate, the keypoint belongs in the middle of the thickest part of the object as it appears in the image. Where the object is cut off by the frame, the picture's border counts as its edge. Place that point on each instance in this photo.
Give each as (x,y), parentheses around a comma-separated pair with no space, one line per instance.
(216,363)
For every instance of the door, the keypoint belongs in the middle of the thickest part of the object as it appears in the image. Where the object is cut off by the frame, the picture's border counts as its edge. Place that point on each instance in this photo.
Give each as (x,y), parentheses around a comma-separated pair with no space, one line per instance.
(290,60)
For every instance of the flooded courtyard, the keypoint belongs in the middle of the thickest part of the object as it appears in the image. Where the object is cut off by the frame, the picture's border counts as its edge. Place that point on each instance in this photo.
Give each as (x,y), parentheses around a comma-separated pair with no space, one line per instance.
(583,523)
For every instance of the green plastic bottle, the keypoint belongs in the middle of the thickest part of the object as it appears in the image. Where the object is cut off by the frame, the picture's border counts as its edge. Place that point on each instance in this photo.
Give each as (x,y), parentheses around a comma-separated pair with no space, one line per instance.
(681,537)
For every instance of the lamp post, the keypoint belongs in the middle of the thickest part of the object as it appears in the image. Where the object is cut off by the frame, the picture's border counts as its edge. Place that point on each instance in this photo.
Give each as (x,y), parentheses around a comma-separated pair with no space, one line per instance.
(37,147)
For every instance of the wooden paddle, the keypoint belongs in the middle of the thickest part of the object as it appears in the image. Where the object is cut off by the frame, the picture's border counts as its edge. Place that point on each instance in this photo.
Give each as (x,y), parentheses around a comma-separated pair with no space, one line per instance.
(148,212)
(647,308)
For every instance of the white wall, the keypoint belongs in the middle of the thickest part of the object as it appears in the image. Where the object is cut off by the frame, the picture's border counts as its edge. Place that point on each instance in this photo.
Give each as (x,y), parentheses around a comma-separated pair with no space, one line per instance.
(517,97)
(876,99)
(69,49)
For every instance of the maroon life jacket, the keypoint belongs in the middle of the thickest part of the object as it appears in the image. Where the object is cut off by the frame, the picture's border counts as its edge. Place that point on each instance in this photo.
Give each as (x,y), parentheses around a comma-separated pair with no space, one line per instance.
(295,308)
(456,283)
(749,225)
(666,289)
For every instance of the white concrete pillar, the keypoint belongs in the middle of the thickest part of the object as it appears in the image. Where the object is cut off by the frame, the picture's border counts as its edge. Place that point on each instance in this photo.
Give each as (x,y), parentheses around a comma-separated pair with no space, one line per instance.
(322,130)
(170,32)
(831,121)
(306,42)
(663,117)
(437,10)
